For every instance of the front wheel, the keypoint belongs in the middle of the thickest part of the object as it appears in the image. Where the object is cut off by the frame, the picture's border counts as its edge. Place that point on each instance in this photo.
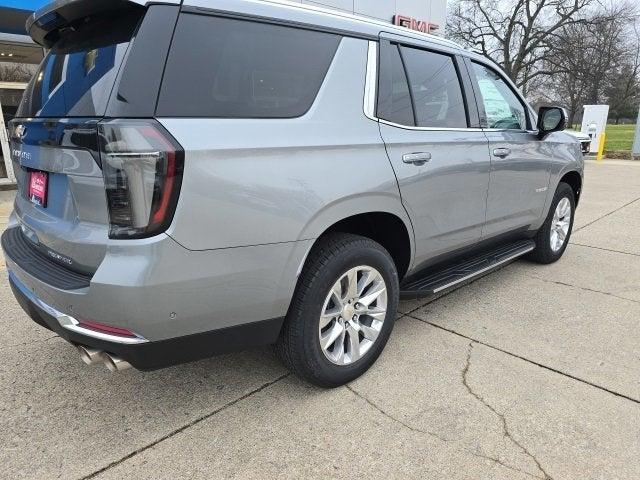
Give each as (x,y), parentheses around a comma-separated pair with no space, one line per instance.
(553,237)
(342,312)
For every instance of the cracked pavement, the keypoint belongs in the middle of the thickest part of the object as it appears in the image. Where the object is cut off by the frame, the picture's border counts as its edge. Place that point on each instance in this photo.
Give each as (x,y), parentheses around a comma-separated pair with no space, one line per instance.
(530,372)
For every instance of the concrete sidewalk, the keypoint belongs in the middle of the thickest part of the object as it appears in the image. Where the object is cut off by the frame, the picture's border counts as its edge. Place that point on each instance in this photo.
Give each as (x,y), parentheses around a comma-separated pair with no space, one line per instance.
(530,372)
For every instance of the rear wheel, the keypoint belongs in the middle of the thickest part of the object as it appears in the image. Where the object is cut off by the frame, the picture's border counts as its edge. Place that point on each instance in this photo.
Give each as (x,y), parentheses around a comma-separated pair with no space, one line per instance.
(342,312)
(553,237)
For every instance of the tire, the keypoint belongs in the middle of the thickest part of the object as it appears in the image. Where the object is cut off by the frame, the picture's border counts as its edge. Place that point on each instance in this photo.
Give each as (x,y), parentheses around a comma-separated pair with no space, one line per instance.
(544,252)
(328,266)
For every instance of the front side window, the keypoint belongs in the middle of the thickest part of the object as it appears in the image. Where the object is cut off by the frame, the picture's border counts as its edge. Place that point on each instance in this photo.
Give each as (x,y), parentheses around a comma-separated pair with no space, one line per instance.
(435,88)
(503,109)
(227,68)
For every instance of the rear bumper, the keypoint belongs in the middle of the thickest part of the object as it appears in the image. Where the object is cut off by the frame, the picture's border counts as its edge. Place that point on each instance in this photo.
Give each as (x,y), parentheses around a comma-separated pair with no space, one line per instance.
(161,291)
(185,305)
(143,354)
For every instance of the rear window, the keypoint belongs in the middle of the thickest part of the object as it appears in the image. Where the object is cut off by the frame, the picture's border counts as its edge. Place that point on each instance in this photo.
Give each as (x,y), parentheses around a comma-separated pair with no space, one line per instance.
(227,68)
(76,77)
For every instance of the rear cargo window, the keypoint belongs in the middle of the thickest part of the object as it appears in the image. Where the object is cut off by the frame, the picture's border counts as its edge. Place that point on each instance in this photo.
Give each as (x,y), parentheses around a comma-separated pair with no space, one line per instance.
(76,77)
(227,68)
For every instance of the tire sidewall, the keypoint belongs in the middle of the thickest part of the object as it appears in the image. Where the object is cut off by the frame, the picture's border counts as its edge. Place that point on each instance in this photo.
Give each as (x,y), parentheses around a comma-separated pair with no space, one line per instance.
(350,257)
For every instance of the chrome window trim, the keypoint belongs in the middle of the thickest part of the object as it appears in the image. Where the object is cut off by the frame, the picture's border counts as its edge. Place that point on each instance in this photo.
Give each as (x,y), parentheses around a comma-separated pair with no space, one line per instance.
(512,130)
(430,129)
(370,87)
(69,322)
(371,97)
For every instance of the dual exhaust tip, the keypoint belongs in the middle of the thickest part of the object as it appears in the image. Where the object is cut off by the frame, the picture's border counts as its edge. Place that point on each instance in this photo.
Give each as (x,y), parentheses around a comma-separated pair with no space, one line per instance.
(92,356)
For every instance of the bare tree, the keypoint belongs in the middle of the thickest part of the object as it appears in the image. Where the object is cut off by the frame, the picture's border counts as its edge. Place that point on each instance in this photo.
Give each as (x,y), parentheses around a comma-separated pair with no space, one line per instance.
(517,34)
(623,84)
(593,61)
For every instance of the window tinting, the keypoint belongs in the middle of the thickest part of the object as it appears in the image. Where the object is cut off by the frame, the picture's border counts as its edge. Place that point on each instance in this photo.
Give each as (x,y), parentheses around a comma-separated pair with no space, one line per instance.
(76,77)
(503,108)
(435,88)
(394,99)
(220,67)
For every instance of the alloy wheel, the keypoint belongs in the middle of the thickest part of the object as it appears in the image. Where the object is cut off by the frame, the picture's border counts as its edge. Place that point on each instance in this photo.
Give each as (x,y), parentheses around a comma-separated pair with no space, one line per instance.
(560,224)
(352,315)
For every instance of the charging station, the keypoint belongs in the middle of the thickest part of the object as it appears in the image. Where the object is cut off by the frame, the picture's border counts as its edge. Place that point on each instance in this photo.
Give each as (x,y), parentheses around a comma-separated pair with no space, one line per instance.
(594,123)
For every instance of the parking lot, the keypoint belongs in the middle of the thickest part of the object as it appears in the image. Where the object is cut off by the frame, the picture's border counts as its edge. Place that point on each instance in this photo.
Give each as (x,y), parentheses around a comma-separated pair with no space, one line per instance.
(530,372)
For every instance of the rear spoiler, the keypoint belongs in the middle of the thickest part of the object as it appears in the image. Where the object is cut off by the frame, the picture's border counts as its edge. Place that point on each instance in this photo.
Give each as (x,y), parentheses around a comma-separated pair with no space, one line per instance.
(47,24)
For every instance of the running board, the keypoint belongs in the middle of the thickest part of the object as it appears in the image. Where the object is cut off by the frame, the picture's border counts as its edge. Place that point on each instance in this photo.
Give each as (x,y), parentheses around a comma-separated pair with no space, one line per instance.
(434,283)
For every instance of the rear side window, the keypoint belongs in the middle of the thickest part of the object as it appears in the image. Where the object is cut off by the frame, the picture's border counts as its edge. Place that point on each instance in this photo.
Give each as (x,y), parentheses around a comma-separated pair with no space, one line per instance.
(394,98)
(227,68)
(76,77)
(435,88)
(419,88)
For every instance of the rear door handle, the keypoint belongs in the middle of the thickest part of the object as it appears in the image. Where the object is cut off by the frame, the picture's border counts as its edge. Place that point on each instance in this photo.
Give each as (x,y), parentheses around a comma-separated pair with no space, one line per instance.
(502,152)
(419,158)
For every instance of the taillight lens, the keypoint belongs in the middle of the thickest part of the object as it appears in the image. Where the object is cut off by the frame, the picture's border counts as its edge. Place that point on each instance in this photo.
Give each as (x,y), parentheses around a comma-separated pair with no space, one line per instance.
(142,167)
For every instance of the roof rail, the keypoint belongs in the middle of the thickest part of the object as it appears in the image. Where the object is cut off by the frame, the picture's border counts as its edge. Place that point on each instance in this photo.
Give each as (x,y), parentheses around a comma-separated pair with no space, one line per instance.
(389,27)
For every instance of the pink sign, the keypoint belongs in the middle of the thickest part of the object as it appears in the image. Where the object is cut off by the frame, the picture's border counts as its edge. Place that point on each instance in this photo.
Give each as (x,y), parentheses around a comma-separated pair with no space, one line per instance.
(38,188)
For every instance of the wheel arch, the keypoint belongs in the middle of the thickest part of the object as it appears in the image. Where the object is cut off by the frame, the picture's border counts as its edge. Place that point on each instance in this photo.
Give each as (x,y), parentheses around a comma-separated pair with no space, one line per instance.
(390,227)
(385,228)
(574,179)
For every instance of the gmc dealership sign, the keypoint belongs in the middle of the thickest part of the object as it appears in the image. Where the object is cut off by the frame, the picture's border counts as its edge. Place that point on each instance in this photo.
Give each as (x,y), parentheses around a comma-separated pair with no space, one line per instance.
(413,24)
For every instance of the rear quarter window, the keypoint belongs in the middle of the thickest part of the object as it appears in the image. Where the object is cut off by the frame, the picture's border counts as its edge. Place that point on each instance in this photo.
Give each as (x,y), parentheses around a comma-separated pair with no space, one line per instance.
(228,68)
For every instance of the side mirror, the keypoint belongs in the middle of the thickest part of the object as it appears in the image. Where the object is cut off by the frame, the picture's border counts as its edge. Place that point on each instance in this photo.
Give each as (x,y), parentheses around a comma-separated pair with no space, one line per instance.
(551,119)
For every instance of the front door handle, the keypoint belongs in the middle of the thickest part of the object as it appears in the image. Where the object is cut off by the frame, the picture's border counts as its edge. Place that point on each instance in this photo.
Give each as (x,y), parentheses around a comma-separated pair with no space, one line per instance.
(502,152)
(416,158)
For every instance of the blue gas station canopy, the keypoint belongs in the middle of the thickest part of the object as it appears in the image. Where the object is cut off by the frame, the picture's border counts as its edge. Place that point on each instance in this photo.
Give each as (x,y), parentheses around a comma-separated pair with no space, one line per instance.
(14,13)
(30,5)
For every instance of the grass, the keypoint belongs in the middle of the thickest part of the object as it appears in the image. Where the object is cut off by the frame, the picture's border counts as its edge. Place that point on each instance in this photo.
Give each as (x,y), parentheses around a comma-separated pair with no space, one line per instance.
(619,138)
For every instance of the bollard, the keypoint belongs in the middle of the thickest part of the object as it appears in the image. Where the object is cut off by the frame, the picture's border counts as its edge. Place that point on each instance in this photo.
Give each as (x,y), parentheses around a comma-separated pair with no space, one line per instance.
(600,155)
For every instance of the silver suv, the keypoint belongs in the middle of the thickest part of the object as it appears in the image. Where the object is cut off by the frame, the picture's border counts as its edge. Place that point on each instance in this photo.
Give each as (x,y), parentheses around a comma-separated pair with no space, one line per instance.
(198,176)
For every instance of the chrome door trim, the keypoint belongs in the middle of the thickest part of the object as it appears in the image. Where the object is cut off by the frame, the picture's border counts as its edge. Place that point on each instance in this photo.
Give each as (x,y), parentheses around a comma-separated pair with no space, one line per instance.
(370,87)
(418,158)
(501,152)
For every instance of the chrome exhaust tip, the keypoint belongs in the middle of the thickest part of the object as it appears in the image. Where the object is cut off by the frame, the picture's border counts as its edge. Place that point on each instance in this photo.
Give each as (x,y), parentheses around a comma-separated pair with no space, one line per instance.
(89,355)
(115,364)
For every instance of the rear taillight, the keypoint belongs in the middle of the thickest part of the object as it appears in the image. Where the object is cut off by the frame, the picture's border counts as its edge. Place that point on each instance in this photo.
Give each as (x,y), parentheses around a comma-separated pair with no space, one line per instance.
(142,167)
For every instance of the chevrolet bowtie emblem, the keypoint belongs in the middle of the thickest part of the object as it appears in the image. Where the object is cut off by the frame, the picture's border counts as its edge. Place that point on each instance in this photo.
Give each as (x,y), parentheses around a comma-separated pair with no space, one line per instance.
(20,131)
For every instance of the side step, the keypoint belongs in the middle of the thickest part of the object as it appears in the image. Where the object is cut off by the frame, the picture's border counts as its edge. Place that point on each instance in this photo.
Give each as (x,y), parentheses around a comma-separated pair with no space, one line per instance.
(433,283)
